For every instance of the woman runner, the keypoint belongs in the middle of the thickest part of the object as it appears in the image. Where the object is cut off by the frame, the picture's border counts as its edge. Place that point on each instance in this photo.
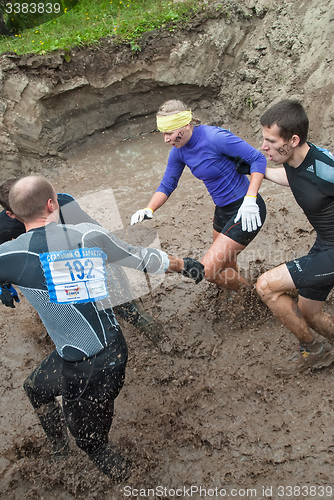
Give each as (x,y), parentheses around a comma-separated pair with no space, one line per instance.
(209,152)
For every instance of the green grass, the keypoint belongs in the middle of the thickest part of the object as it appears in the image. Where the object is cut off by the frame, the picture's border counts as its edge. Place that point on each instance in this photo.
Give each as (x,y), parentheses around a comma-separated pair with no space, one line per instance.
(88,21)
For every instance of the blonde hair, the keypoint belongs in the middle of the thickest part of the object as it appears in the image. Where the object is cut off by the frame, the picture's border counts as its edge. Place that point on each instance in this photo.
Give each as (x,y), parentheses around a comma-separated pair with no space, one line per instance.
(175,106)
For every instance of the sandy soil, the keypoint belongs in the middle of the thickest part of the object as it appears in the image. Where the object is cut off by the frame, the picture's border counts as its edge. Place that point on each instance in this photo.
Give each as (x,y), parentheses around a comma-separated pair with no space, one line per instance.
(203,408)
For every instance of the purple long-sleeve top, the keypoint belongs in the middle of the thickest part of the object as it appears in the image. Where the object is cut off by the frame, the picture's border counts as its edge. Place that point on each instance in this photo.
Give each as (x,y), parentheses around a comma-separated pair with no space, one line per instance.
(207,154)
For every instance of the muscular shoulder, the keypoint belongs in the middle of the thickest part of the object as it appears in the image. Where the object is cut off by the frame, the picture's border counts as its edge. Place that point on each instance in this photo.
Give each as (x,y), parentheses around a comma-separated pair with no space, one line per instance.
(88,227)
(318,164)
(90,233)
(220,137)
(323,164)
(211,134)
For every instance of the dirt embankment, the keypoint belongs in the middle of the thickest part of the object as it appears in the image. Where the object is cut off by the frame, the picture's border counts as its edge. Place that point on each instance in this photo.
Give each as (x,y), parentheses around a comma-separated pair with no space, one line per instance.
(229,63)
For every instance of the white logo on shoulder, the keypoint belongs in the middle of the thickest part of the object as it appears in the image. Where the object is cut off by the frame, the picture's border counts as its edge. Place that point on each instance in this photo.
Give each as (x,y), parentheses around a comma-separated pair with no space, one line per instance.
(298,266)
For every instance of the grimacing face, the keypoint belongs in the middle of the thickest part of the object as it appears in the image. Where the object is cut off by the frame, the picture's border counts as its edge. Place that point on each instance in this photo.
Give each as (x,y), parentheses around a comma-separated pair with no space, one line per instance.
(178,137)
(278,149)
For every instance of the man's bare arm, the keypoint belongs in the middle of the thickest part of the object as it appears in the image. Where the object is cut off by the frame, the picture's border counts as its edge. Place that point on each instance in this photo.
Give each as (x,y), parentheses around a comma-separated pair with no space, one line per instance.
(277,175)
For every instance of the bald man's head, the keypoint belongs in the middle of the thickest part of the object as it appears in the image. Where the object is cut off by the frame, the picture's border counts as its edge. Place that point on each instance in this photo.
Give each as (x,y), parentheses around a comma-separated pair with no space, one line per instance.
(28,197)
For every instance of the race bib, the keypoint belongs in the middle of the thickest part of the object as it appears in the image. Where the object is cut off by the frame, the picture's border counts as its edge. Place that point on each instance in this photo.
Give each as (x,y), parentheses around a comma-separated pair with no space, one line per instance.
(75,275)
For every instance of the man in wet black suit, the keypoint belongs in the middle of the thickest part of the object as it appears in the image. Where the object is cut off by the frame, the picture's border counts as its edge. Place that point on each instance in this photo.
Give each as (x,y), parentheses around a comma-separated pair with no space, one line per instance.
(71,213)
(60,269)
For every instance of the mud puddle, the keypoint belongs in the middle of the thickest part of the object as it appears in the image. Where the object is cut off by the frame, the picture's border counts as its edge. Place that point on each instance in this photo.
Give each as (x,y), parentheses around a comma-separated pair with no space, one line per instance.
(204,408)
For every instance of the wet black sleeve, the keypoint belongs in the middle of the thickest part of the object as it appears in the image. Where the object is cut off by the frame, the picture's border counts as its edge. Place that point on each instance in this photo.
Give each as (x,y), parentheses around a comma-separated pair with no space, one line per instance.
(123,254)
(70,211)
(9,228)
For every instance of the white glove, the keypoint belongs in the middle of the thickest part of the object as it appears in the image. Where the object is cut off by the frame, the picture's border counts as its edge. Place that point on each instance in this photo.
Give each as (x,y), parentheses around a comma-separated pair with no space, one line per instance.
(145,213)
(249,213)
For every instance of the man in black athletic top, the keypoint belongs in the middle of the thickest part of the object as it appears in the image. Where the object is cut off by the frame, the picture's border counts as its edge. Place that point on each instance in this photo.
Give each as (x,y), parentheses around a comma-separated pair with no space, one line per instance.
(71,213)
(309,171)
(60,269)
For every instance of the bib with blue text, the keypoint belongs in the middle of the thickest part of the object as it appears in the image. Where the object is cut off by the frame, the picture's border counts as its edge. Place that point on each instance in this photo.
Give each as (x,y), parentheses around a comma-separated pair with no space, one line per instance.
(75,275)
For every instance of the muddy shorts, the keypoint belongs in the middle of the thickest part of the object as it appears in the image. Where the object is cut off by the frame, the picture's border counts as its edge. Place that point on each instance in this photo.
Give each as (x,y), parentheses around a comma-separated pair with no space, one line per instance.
(313,274)
(88,388)
(223,221)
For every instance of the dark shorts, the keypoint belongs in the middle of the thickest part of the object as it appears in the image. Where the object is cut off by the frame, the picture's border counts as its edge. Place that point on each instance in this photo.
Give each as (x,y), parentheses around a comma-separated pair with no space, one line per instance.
(223,221)
(88,389)
(313,274)
(100,376)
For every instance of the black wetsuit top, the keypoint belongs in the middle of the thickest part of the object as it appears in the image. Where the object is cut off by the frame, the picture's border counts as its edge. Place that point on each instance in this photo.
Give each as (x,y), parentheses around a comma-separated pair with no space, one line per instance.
(69,213)
(60,269)
(312,184)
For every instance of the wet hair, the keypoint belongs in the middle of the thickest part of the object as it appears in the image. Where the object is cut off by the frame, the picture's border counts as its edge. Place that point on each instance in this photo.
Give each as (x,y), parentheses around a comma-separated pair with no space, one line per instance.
(4,194)
(290,117)
(174,106)
(28,197)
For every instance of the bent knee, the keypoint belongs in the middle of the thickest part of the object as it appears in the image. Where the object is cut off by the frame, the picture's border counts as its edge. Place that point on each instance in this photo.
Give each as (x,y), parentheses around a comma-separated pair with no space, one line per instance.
(209,274)
(213,267)
(263,288)
(208,269)
(274,283)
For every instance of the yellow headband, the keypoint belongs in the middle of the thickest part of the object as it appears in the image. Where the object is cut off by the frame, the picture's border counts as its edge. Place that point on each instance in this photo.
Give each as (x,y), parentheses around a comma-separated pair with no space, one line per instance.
(173,122)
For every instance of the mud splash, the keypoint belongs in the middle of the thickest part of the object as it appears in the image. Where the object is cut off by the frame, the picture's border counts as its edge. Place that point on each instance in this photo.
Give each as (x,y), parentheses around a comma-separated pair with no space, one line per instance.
(202,409)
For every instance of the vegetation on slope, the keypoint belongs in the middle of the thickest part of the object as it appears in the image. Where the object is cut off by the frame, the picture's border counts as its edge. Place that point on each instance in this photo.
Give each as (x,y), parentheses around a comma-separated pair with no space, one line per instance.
(42,26)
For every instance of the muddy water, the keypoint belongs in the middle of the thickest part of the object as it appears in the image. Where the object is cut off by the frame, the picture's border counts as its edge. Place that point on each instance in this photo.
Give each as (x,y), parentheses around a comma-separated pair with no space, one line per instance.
(117,178)
(132,169)
(112,178)
(202,408)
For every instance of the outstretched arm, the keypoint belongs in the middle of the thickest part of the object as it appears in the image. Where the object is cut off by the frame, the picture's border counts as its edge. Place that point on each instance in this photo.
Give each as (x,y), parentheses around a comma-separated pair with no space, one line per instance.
(151,260)
(169,182)
(277,175)
(157,200)
(255,183)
